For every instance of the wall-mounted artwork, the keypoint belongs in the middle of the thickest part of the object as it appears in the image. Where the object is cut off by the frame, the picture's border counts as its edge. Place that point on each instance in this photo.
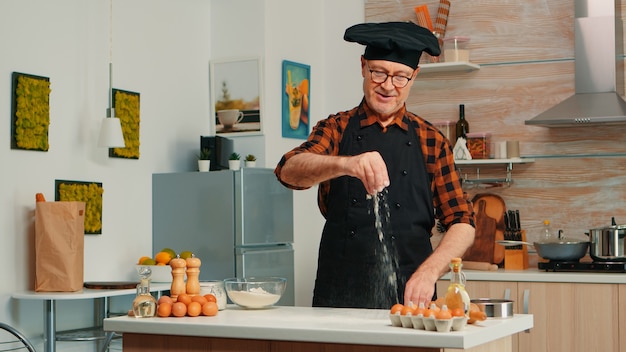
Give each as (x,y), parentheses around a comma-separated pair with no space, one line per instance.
(30,112)
(81,191)
(126,106)
(236,96)
(295,102)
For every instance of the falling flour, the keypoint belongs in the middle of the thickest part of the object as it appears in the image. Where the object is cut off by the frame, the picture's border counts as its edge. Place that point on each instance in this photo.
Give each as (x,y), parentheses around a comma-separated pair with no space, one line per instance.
(387,256)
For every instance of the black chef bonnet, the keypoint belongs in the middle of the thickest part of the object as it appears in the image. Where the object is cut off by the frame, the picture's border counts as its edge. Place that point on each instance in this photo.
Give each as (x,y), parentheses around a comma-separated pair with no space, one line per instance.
(401,42)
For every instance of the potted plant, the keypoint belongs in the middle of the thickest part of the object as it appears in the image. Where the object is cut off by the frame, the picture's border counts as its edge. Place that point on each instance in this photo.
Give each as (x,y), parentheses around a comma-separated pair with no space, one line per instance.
(204,161)
(234,161)
(250,160)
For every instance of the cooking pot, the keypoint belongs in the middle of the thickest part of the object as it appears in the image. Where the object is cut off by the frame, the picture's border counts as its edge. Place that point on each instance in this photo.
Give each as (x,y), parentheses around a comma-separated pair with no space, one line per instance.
(607,243)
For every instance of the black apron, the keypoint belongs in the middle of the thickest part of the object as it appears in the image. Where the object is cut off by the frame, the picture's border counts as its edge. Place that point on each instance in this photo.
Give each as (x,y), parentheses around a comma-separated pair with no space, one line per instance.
(355,267)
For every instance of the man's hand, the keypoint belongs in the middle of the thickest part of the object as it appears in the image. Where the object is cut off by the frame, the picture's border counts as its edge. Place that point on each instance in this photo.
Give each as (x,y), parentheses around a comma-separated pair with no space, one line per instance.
(371,169)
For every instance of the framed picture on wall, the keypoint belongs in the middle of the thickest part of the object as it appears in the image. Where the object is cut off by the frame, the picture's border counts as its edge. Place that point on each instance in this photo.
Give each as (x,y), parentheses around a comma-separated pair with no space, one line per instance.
(295,102)
(236,96)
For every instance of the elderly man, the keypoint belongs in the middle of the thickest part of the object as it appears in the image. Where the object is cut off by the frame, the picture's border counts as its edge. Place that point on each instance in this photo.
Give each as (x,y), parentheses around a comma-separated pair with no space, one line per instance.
(382,150)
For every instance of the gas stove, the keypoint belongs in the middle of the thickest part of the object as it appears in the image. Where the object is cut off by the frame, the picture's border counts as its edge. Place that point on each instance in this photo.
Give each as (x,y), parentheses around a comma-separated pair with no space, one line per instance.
(574,266)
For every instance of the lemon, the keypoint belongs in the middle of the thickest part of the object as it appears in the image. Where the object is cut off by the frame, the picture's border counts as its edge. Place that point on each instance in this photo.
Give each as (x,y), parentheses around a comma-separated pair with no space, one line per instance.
(186,254)
(170,251)
(148,261)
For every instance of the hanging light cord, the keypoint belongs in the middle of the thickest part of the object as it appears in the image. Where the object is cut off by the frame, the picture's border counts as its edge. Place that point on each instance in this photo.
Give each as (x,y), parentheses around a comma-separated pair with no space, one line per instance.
(111,111)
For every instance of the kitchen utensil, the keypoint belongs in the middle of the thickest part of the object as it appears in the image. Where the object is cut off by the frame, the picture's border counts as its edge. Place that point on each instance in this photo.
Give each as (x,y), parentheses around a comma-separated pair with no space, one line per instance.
(255,292)
(555,250)
(495,208)
(495,308)
(607,243)
(423,17)
(484,240)
(441,21)
(513,243)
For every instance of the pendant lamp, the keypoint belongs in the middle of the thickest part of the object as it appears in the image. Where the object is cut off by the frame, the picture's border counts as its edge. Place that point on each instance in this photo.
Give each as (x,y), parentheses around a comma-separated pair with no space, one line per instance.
(111,135)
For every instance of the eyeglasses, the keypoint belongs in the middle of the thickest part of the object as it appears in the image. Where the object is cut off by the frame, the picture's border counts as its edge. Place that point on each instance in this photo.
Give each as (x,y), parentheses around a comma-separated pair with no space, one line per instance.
(380,77)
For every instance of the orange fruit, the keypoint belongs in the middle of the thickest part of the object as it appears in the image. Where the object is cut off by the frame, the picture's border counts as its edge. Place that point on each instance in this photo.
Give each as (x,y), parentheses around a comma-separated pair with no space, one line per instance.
(165,299)
(210,297)
(184,298)
(140,261)
(199,299)
(194,309)
(164,309)
(163,258)
(179,309)
(210,309)
(396,308)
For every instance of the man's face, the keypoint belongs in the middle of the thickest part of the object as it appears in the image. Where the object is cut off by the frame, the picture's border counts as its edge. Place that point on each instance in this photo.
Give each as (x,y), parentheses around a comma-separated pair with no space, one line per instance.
(384,98)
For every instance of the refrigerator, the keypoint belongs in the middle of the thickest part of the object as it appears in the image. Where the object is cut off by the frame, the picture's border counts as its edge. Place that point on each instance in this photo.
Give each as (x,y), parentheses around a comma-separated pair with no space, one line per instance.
(239,223)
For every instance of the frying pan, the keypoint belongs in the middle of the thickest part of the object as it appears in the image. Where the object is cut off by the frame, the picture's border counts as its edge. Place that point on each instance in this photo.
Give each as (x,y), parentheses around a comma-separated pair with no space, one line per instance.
(564,250)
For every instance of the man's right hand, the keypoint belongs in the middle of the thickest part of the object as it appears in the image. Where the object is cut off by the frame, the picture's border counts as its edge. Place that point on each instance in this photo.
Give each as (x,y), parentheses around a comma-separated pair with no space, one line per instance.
(371,169)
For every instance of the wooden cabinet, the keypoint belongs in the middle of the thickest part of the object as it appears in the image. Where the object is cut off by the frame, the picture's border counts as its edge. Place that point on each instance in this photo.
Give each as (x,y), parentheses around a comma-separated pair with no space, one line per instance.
(568,317)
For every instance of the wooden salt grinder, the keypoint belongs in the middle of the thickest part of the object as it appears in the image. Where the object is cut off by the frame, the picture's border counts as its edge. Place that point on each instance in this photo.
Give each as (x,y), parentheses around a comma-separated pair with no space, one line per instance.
(178,277)
(193,271)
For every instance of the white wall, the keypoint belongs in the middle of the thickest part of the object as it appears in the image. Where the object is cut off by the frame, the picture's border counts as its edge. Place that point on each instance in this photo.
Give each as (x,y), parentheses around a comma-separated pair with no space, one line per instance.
(314,33)
(161,49)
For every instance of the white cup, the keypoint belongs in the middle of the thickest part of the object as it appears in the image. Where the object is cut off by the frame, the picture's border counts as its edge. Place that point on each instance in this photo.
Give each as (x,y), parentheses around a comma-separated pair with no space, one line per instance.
(229,117)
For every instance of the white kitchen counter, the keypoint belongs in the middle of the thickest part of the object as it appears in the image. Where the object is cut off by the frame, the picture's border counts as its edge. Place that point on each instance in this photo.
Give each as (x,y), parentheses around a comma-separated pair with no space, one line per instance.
(319,325)
(536,275)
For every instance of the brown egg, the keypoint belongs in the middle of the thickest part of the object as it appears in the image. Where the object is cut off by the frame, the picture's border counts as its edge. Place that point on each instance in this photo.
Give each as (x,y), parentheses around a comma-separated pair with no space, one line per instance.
(179,309)
(210,309)
(164,309)
(199,299)
(194,309)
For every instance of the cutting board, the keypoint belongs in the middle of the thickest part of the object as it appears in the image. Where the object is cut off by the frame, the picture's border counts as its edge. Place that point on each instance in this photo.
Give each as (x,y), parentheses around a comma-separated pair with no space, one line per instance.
(485,239)
(495,208)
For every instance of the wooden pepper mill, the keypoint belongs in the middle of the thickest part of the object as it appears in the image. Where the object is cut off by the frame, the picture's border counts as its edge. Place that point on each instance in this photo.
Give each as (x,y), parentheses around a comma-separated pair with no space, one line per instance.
(178,277)
(193,271)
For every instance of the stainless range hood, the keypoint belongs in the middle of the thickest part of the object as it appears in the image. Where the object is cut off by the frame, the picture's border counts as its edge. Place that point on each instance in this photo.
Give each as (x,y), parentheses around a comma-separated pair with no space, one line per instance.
(598,46)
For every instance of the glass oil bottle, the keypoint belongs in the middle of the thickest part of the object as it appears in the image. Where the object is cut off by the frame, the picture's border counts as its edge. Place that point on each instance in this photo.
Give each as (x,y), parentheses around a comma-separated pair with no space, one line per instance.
(144,304)
(456,295)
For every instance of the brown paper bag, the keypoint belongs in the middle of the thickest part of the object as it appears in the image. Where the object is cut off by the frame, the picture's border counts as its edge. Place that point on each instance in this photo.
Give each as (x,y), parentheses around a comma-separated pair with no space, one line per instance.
(59,246)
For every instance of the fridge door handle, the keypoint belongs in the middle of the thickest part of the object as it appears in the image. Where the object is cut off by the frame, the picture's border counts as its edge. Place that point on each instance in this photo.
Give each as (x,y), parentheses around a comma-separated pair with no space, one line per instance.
(283,247)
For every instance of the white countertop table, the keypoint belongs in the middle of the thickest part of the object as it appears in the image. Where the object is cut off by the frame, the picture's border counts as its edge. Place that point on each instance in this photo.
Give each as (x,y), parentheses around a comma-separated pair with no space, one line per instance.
(321,325)
(49,308)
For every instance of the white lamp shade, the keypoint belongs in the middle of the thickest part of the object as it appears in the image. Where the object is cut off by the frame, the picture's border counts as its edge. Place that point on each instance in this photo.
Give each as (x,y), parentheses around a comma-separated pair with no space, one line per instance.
(111,135)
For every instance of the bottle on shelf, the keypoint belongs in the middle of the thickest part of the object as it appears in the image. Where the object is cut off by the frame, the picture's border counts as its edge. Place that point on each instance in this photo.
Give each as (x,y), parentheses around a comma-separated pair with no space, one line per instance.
(144,304)
(456,295)
(462,126)
(546,233)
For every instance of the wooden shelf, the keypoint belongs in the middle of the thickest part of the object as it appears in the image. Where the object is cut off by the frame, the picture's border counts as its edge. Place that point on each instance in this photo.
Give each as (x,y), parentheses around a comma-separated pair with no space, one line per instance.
(448,67)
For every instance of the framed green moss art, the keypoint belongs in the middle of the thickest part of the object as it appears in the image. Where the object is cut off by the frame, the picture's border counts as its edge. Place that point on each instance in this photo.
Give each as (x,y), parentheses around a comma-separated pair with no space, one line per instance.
(30,112)
(81,191)
(126,106)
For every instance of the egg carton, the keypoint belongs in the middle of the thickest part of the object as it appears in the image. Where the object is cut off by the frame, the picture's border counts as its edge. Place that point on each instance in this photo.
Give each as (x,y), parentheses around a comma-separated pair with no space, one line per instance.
(419,322)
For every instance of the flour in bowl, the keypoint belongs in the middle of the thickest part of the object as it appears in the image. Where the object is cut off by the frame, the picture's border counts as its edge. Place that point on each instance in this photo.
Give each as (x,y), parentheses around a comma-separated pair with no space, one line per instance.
(255,298)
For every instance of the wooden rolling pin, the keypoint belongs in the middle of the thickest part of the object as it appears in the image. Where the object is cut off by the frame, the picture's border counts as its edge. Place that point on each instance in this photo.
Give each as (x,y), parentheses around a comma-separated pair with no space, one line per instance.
(469,265)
